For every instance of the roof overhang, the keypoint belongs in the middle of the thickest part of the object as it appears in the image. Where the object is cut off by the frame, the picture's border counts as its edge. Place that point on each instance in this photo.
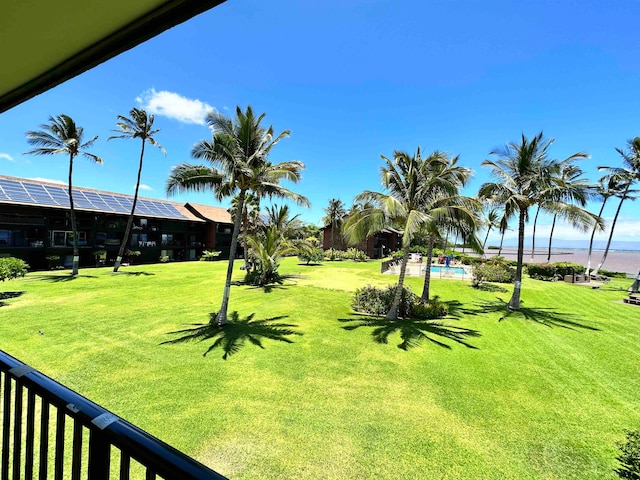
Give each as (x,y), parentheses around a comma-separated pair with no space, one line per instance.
(44,43)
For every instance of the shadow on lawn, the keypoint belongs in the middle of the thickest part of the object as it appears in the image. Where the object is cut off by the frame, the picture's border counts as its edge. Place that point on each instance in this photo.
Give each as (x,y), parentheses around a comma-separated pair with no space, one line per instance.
(132,274)
(59,278)
(412,331)
(7,296)
(548,317)
(232,336)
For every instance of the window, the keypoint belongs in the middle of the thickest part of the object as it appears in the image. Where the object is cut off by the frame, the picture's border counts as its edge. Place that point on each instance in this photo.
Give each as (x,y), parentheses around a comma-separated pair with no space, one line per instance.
(65,239)
(5,238)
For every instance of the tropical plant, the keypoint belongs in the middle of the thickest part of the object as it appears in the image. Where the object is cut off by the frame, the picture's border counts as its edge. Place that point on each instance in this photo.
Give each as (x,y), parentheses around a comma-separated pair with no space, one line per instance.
(414,201)
(210,255)
(238,157)
(12,268)
(491,220)
(335,213)
(627,176)
(138,125)
(629,457)
(267,246)
(62,135)
(521,170)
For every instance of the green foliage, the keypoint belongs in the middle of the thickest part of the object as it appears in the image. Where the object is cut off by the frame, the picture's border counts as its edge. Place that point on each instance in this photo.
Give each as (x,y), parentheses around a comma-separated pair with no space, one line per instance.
(132,253)
(469,260)
(629,456)
(356,255)
(542,271)
(434,309)
(313,255)
(12,268)
(260,276)
(377,301)
(610,274)
(492,272)
(563,268)
(210,255)
(333,255)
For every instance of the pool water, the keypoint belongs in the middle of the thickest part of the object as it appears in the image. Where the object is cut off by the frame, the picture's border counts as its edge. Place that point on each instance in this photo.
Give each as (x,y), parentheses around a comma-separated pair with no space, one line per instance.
(454,270)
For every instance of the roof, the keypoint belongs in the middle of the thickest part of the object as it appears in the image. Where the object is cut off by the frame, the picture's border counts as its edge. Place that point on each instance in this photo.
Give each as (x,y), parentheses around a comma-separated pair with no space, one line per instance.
(44,43)
(212,214)
(25,191)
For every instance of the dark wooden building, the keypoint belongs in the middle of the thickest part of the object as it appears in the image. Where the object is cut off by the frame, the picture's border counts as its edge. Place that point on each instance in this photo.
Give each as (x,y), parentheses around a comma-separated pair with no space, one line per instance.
(35,225)
(378,245)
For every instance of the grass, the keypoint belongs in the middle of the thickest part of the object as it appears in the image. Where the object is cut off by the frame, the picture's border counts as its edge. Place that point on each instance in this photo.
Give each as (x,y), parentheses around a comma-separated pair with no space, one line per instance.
(540,394)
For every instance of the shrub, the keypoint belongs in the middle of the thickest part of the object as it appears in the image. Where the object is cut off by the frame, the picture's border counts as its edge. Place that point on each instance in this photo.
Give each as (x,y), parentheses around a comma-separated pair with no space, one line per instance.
(542,271)
(377,301)
(313,255)
(434,309)
(12,268)
(333,255)
(469,260)
(356,255)
(563,268)
(629,456)
(493,272)
(610,274)
(209,255)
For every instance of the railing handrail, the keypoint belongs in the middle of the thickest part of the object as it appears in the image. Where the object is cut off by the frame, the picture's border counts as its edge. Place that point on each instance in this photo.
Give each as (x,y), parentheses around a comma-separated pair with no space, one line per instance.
(148,450)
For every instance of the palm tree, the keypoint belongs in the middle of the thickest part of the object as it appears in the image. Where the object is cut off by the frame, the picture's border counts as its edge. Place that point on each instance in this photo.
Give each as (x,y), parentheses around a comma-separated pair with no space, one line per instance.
(335,213)
(520,169)
(627,175)
(492,220)
(62,135)
(238,157)
(250,220)
(410,186)
(567,196)
(504,226)
(140,125)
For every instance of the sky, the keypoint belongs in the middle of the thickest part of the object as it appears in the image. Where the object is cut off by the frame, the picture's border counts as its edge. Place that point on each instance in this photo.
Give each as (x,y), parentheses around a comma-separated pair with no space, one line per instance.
(356,79)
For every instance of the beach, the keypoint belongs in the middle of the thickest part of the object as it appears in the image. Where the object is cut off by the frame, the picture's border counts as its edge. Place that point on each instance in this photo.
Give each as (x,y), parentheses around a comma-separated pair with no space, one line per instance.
(627,261)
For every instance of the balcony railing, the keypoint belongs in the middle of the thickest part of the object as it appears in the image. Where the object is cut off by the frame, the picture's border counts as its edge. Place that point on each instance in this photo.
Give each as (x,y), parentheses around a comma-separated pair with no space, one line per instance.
(39,416)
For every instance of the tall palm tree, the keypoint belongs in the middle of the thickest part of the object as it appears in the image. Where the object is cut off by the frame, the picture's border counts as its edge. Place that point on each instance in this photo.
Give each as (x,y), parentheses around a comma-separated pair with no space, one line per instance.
(62,135)
(139,125)
(627,175)
(335,213)
(608,186)
(238,157)
(492,220)
(250,220)
(567,196)
(407,180)
(504,226)
(520,169)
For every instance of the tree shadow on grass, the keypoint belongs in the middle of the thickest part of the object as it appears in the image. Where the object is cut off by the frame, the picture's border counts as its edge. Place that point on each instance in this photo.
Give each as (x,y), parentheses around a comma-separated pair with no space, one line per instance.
(8,295)
(548,317)
(132,274)
(232,336)
(412,331)
(59,278)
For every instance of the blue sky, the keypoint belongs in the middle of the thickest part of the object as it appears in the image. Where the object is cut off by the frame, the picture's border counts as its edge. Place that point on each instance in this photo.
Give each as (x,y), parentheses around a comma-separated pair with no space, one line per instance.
(353,79)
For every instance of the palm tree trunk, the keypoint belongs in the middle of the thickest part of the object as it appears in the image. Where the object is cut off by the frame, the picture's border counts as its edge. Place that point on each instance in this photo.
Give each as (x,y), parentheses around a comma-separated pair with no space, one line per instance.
(127,231)
(74,228)
(533,239)
(427,272)
(613,224)
(221,317)
(553,226)
(392,314)
(485,242)
(593,234)
(514,303)
(333,227)
(501,241)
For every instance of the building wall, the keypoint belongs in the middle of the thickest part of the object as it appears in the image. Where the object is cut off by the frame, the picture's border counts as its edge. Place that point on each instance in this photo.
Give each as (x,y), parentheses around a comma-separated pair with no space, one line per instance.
(372,246)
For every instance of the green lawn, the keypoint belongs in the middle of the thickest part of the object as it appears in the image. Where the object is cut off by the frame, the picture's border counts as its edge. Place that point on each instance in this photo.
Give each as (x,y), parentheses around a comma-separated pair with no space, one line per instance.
(540,395)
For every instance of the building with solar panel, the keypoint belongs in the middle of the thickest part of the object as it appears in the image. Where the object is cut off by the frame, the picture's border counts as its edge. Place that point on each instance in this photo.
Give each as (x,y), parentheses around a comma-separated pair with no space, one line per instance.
(35,225)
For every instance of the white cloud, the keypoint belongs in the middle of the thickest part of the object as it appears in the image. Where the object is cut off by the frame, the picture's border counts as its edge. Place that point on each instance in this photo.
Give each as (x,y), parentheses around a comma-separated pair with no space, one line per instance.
(48,180)
(6,156)
(145,187)
(174,105)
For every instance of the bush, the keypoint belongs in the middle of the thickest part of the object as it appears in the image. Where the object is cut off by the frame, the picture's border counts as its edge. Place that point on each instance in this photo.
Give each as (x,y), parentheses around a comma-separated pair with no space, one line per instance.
(492,272)
(629,456)
(356,255)
(12,268)
(542,271)
(434,309)
(209,255)
(377,301)
(333,255)
(469,260)
(313,255)
(563,268)
(610,274)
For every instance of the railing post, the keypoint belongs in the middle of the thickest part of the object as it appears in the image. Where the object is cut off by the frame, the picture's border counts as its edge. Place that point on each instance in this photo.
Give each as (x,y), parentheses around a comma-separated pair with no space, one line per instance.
(6,423)
(99,456)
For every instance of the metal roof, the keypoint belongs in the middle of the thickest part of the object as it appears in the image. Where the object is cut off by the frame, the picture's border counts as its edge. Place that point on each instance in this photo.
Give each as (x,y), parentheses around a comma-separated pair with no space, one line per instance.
(44,43)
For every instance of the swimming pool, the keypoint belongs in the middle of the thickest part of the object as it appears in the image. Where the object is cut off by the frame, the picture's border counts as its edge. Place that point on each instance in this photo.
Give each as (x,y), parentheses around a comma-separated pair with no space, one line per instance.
(454,270)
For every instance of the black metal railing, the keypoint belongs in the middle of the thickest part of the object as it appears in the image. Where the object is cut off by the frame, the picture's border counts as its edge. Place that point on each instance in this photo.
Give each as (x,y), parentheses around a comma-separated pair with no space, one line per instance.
(40,417)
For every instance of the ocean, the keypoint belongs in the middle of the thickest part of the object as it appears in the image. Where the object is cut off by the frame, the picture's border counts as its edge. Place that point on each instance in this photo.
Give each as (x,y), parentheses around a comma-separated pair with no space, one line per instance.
(627,261)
